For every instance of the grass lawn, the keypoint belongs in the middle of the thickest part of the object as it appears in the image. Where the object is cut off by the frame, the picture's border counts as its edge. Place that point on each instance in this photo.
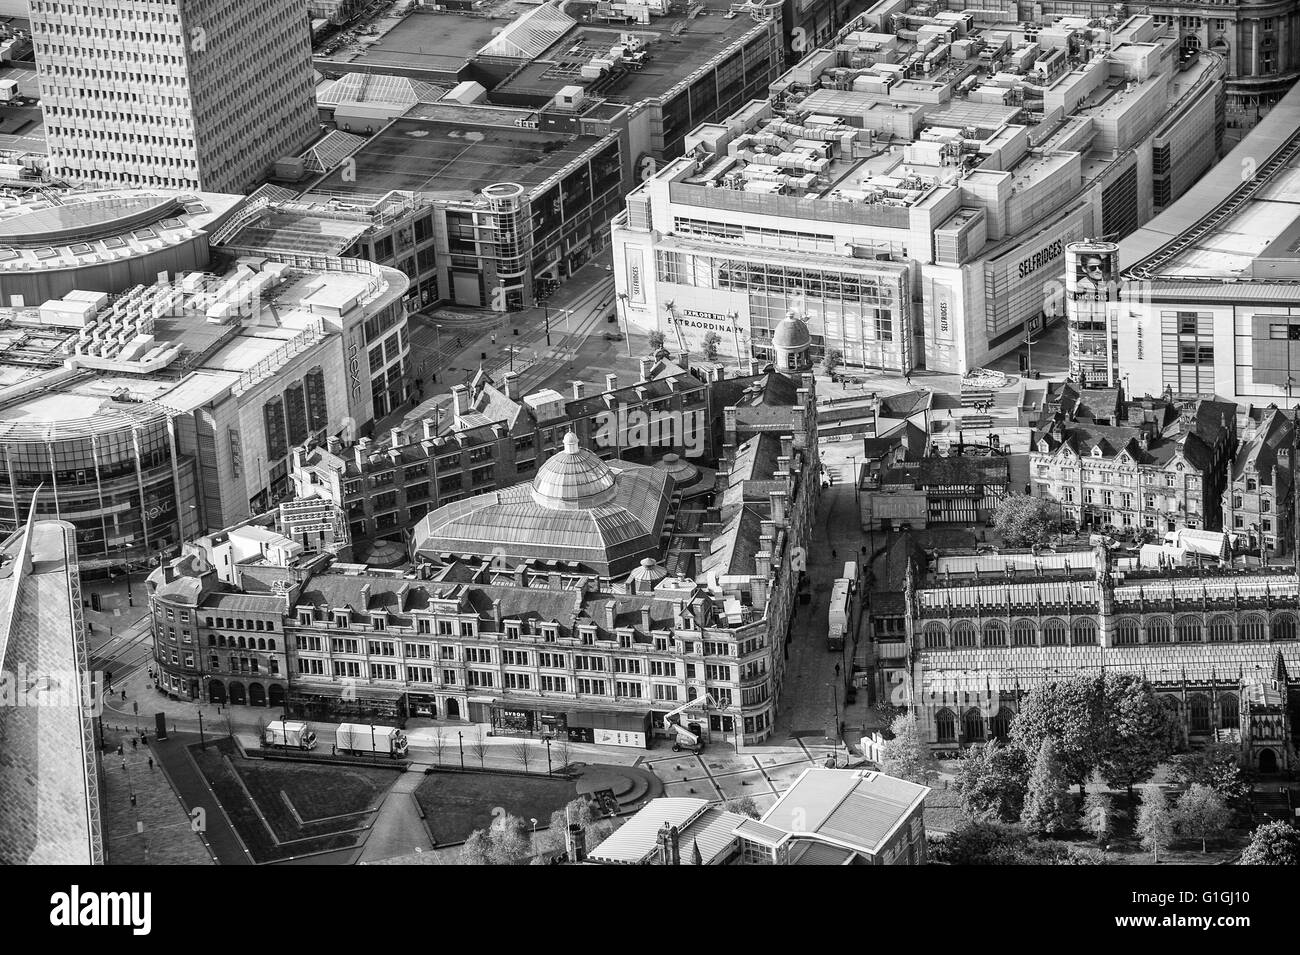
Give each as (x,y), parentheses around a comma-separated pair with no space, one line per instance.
(458,803)
(317,792)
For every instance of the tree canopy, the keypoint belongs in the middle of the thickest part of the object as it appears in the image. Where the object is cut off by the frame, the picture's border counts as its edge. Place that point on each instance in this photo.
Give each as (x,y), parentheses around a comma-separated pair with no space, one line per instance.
(992,782)
(1049,808)
(1155,823)
(1024,520)
(1202,814)
(1274,843)
(906,755)
(1138,732)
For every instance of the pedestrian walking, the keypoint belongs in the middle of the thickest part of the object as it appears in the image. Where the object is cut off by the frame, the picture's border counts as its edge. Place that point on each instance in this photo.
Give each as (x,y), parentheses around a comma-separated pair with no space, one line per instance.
(124,695)
(124,764)
(150,762)
(832,553)
(119,749)
(837,669)
(133,743)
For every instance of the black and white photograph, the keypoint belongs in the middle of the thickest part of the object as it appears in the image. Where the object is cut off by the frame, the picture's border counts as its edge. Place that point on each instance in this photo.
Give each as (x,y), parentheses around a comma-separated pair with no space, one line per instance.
(648,433)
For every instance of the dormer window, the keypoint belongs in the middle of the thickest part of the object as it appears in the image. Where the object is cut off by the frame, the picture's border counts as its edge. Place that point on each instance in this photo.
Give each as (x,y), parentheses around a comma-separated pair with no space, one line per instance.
(588,635)
(341,620)
(1250,484)
(305,617)
(1043,447)
(550,632)
(1096,452)
(378,623)
(512,631)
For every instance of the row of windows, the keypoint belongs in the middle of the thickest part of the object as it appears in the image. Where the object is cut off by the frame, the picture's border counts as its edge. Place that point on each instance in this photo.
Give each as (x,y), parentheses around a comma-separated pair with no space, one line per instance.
(1128,631)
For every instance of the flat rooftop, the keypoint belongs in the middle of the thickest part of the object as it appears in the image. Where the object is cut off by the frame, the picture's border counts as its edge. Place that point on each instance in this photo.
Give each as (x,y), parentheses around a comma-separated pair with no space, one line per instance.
(42,399)
(429,43)
(676,46)
(49,808)
(1197,238)
(48,230)
(447,157)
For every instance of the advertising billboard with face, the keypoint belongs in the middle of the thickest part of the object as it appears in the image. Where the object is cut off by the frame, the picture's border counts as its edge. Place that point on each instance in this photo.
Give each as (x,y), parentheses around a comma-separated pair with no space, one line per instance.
(1092,271)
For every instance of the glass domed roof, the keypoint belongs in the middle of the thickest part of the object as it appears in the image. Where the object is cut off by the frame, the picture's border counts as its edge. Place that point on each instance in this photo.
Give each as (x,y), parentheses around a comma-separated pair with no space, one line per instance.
(575,479)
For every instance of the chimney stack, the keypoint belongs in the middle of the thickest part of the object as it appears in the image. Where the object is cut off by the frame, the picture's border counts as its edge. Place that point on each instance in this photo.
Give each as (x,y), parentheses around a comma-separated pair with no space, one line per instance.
(460,401)
(787,445)
(777,500)
(429,425)
(333,444)
(395,437)
(647,623)
(611,382)
(508,384)
(684,360)
(578,389)
(647,364)
(763,564)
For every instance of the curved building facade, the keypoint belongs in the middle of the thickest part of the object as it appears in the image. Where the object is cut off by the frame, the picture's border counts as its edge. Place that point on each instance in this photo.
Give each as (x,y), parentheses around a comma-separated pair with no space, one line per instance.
(104,241)
(106,464)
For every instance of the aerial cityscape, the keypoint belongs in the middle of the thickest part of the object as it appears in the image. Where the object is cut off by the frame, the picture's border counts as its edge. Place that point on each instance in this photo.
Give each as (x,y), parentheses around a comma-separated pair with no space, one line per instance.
(650,432)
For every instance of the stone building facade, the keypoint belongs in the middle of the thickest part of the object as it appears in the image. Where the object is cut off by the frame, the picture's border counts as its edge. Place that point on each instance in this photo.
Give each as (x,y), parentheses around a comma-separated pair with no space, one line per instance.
(977,646)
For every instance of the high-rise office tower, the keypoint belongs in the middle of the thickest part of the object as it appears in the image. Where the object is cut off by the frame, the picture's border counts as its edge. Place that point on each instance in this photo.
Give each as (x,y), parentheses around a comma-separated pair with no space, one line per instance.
(184,94)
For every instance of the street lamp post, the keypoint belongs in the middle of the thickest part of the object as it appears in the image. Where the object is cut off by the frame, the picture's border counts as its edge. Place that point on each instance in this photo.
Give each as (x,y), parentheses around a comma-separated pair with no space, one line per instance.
(548,755)
(461,741)
(372,739)
(203,743)
(627,327)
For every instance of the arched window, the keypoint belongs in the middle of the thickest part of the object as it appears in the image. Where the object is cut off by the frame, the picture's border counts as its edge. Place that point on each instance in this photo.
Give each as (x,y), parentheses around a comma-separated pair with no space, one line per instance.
(1000,722)
(1199,709)
(1229,717)
(1054,633)
(270,644)
(972,725)
(935,636)
(1158,630)
(945,724)
(212,640)
(963,635)
(1221,630)
(995,635)
(221,640)
(1024,634)
(1127,633)
(1252,628)
(261,643)
(1189,630)
(1084,632)
(242,644)
(1284,627)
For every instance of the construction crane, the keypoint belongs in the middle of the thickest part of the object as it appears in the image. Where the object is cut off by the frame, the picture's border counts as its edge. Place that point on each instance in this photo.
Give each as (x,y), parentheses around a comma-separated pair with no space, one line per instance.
(690,736)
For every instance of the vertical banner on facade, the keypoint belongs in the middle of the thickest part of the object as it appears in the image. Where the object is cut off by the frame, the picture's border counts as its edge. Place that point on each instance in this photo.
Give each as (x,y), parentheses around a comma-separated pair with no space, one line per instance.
(1091,294)
(635,274)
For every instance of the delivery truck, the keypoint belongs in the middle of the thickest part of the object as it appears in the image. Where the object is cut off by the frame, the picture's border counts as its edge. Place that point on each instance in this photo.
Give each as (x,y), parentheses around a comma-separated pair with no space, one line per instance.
(289,734)
(364,739)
